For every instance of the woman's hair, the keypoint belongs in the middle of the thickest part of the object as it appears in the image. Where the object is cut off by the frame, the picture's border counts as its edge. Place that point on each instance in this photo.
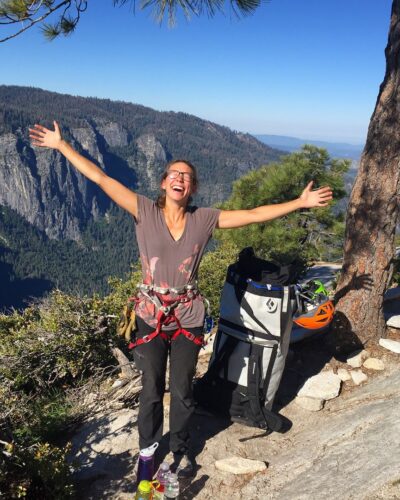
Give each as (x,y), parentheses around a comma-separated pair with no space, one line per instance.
(195,182)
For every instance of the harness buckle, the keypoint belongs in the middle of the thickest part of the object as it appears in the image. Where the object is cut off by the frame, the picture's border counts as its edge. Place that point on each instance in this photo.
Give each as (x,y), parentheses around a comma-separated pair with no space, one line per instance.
(165,309)
(146,339)
(190,336)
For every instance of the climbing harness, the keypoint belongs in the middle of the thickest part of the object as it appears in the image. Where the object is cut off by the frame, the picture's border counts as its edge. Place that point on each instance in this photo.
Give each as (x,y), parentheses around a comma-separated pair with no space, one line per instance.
(166,311)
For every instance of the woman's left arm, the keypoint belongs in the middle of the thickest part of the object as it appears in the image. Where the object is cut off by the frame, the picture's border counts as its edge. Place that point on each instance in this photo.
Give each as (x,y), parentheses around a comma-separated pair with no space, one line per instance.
(229,219)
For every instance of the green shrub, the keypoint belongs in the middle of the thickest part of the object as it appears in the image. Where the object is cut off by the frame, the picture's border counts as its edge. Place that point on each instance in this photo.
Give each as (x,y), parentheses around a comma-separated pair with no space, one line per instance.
(212,273)
(44,351)
(302,236)
(36,471)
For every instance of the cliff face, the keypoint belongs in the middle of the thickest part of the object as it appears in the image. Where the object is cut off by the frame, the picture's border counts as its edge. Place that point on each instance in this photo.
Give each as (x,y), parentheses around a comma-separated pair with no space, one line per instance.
(132,143)
(42,187)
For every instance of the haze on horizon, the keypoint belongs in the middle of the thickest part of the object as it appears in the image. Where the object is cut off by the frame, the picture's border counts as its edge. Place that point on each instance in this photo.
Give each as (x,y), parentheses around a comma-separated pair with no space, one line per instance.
(310,71)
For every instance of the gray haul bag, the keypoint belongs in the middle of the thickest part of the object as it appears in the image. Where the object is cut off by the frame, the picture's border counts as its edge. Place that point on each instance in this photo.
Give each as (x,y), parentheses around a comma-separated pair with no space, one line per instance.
(250,347)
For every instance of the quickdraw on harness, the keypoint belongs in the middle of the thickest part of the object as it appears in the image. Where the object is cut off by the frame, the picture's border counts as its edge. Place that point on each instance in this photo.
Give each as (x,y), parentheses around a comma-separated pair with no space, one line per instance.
(166,311)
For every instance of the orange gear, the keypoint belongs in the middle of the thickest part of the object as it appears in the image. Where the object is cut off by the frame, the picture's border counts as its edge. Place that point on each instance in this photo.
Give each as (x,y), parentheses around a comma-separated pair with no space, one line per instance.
(318,318)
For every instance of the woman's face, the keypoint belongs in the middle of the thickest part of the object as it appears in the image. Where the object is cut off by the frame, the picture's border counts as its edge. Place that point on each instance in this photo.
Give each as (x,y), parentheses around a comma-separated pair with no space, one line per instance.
(178,184)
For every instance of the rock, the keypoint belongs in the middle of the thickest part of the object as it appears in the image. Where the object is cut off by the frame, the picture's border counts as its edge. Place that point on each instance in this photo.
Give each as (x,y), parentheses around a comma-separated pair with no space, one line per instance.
(99,445)
(325,385)
(394,321)
(358,377)
(343,374)
(391,345)
(239,465)
(374,364)
(356,359)
(310,404)
(352,454)
(114,134)
(155,155)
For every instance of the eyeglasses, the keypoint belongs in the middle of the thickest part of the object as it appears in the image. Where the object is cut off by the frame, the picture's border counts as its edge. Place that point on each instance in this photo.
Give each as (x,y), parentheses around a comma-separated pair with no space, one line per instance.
(174,174)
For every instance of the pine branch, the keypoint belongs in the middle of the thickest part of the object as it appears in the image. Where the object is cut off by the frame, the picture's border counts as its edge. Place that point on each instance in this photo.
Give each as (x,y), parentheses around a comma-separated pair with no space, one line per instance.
(35,21)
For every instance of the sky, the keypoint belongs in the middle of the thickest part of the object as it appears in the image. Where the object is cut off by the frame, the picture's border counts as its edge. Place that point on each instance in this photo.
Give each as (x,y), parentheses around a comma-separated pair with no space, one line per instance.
(304,68)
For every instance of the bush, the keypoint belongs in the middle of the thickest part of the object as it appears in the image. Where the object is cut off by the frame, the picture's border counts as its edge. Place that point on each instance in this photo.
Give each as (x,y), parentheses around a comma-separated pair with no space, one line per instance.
(46,350)
(212,273)
(36,471)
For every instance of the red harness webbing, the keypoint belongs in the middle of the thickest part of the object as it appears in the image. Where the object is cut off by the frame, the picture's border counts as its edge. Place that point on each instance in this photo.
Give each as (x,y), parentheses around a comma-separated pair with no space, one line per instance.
(164,319)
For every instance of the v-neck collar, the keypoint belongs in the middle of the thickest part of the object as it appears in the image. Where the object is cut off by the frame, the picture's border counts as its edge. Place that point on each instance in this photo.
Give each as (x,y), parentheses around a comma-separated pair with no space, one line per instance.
(164,222)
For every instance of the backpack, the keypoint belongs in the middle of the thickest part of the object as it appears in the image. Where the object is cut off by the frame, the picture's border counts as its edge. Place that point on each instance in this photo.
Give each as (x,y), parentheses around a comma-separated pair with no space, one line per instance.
(251,343)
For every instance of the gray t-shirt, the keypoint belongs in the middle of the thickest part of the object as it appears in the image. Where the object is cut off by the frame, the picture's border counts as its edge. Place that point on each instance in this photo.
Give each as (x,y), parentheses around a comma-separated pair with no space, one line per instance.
(172,264)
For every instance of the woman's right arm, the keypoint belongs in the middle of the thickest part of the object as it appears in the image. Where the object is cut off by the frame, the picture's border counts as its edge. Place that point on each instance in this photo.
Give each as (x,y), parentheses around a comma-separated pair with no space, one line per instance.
(124,197)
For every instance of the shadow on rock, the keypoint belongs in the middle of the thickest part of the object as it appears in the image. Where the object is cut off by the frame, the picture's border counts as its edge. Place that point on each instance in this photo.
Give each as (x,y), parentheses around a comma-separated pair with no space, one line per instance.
(203,426)
(309,357)
(191,489)
(106,475)
(103,450)
(306,359)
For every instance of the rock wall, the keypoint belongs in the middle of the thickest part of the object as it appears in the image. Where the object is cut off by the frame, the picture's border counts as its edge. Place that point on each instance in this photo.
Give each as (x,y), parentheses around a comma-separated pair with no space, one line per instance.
(42,186)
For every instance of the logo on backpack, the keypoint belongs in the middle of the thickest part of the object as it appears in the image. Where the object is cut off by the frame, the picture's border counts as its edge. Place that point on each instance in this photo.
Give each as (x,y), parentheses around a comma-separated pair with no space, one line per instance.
(272,305)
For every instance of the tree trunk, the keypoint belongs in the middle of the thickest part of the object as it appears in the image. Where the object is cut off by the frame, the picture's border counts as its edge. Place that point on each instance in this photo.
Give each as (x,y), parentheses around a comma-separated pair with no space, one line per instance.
(372,213)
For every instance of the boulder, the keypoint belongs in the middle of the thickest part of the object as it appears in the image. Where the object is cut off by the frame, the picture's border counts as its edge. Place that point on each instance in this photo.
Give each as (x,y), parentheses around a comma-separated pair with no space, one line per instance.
(310,404)
(325,385)
(356,359)
(391,345)
(343,374)
(394,321)
(239,465)
(374,364)
(358,377)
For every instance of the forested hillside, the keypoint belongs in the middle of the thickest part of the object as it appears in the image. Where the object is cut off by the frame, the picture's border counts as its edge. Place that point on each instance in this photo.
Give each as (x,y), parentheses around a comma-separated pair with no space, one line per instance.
(31,264)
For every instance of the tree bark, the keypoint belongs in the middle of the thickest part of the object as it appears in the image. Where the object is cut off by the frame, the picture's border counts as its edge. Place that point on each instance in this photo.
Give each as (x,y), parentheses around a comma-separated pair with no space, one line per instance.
(373,213)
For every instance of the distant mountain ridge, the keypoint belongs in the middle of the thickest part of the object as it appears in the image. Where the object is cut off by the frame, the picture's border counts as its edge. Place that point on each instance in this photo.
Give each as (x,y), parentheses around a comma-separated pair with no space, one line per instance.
(290,144)
(132,143)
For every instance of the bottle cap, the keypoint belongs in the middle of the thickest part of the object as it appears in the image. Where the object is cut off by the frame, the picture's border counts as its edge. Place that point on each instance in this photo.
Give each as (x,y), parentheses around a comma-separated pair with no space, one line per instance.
(158,486)
(164,466)
(148,452)
(144,486)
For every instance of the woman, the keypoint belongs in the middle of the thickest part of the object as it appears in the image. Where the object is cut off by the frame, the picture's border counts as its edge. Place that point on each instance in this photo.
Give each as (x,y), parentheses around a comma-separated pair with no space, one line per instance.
(170,311)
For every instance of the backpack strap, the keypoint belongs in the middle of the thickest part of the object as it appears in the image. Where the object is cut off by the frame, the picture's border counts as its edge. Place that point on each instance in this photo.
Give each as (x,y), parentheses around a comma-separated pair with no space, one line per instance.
(264,417)
(248,309)
(223,356)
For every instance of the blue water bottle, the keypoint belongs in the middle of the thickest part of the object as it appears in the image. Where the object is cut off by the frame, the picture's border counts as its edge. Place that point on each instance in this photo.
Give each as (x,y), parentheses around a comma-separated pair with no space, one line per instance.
(146,463)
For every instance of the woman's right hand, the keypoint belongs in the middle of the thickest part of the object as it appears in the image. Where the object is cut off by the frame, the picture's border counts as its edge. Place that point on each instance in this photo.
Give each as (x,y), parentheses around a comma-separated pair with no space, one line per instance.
(45,138)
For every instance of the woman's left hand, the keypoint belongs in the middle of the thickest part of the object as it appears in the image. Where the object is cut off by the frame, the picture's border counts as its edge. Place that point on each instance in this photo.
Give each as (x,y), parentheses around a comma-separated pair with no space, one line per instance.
(318,198)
